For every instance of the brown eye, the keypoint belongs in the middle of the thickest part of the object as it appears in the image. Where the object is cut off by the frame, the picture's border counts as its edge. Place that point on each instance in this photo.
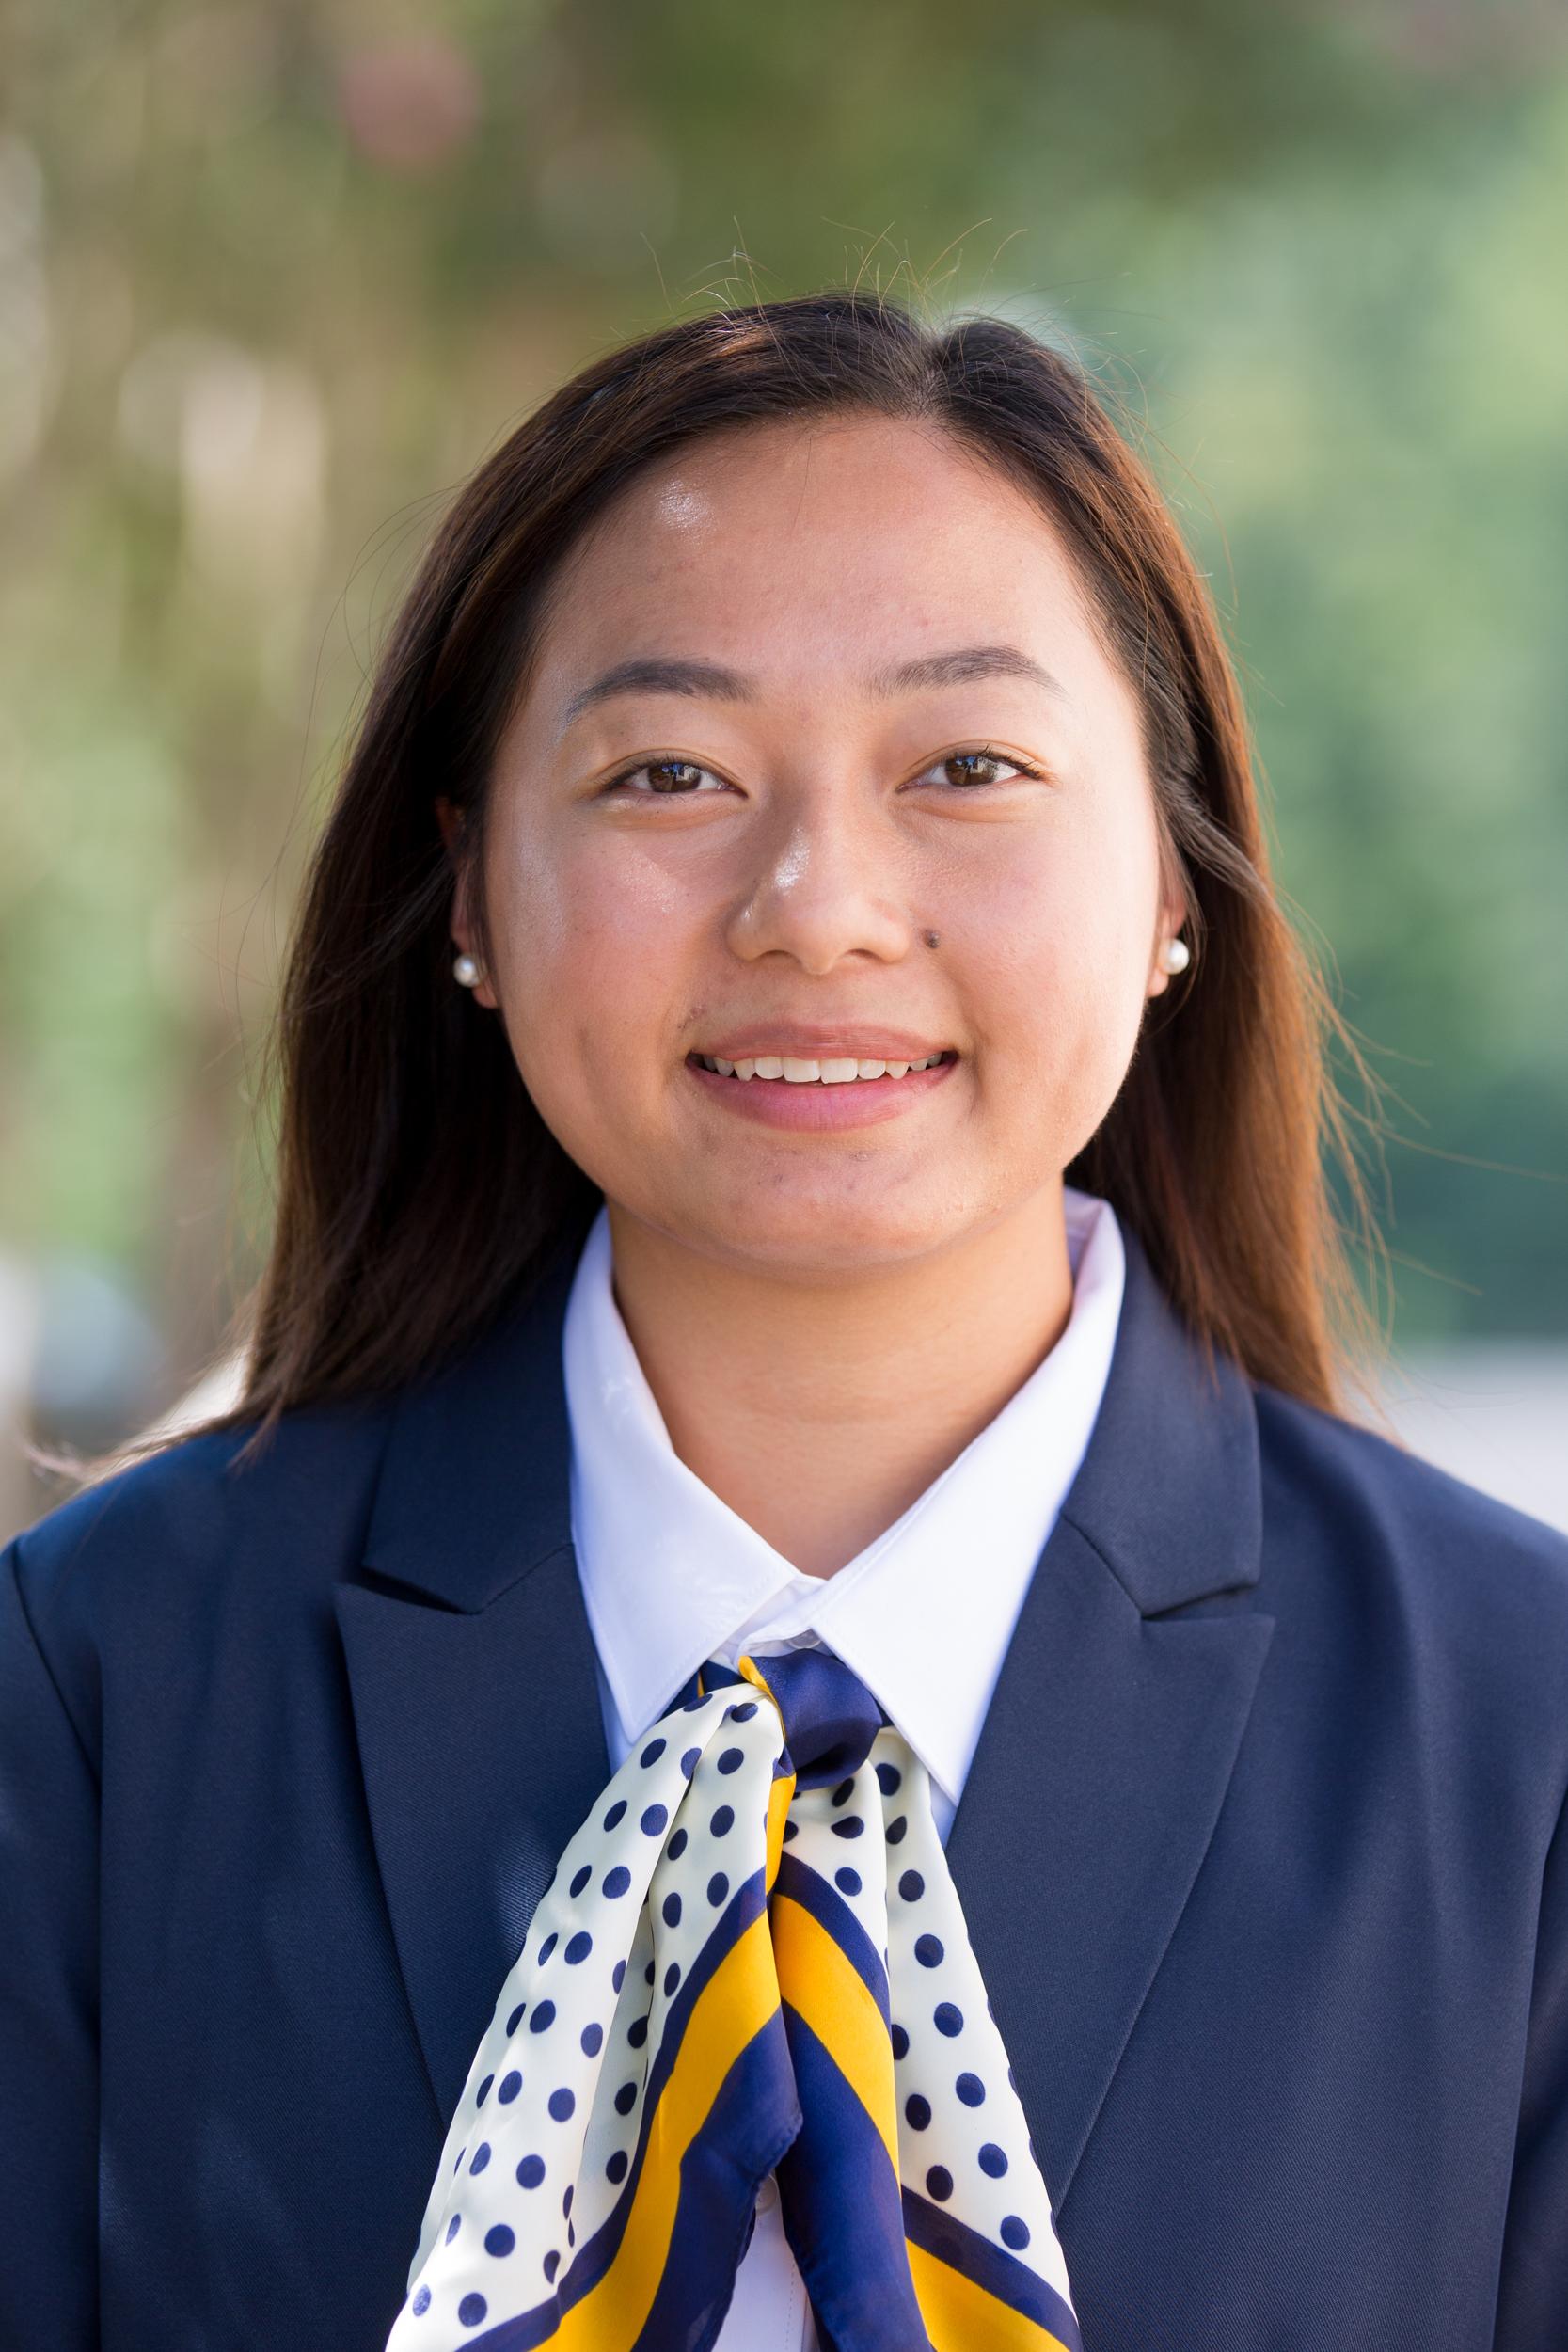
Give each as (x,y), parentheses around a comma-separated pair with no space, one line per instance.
(973,767)
(667,779)
(980,766)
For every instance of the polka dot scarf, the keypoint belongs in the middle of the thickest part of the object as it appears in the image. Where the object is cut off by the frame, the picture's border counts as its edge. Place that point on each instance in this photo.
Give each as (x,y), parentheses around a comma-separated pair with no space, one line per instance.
(751,1957)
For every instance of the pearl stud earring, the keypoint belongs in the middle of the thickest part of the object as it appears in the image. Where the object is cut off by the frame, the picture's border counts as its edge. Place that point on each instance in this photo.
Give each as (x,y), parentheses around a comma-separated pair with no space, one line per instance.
(467,972)
(1176,955)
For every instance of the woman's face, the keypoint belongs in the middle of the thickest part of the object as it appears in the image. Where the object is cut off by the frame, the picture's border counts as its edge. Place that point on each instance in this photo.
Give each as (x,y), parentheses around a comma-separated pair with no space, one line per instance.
(821,764)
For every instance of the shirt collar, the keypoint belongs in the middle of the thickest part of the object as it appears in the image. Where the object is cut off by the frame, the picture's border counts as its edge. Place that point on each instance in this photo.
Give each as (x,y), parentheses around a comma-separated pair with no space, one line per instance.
(671,1576)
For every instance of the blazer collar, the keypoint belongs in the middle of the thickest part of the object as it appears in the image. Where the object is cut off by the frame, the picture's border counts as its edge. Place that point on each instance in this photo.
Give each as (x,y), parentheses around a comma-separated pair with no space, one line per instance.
(1169,1490)
(475,1488)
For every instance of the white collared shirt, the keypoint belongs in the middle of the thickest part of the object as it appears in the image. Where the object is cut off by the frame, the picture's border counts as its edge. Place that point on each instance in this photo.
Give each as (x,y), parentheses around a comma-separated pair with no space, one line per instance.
(673,1577)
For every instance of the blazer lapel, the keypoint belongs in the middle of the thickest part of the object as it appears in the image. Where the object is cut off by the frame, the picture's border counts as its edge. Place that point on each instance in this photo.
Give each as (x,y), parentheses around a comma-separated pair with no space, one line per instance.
(471,1665)
(1115,1723)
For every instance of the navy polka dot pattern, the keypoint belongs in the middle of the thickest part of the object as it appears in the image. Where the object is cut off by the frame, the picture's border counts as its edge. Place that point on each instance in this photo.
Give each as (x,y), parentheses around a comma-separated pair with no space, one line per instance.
(543,2146)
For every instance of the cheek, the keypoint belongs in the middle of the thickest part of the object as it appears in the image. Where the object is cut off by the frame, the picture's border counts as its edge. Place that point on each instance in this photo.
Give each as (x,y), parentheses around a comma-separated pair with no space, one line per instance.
(1058,971)
(557,901)
(589,953)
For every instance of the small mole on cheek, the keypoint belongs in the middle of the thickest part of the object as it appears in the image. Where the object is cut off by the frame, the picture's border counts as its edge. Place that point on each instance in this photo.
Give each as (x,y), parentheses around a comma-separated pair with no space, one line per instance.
(932,938)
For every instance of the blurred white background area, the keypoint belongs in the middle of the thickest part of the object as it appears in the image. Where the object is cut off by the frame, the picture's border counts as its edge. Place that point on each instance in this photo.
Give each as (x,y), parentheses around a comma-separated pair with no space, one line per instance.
(1493,1412)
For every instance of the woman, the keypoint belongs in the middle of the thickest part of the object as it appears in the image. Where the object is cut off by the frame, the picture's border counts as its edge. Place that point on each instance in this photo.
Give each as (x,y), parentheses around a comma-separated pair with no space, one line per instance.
(800,1165)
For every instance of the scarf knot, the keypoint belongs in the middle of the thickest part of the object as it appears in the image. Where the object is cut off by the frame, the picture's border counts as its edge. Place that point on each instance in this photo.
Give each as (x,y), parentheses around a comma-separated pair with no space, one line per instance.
(829,1716)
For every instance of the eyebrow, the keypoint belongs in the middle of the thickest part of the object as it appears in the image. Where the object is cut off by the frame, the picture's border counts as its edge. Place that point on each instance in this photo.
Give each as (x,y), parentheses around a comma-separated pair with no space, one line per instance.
(657,675)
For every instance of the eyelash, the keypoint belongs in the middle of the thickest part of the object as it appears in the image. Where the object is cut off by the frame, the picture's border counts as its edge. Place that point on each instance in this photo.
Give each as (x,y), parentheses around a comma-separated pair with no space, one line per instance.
(674,759)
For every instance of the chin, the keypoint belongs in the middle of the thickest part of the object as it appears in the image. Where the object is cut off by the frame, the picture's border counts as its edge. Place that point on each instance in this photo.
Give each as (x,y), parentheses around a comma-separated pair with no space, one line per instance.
(824,1230)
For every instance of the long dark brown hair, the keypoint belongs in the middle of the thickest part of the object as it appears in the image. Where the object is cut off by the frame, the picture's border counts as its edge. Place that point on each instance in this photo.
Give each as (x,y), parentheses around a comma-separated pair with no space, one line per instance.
(418,1188)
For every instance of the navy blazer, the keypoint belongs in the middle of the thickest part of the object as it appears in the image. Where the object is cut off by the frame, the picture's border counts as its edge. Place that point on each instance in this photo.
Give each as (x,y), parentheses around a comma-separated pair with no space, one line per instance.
(1262,1852)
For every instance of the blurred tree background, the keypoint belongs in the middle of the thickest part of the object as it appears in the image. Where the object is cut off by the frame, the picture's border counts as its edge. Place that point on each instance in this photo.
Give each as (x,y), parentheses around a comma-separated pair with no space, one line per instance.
(274,279)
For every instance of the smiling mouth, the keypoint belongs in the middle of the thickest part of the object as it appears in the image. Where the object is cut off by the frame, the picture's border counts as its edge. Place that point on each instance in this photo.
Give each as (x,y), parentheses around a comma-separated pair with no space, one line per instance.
(788,1070)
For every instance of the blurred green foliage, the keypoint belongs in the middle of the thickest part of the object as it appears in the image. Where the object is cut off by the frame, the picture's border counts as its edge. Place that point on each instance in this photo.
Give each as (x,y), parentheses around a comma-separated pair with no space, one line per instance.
(272,279)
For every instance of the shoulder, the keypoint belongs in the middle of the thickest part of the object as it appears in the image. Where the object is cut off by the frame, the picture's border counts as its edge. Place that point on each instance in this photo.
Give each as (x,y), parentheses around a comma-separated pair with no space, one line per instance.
(1436,1590)
(170,1533)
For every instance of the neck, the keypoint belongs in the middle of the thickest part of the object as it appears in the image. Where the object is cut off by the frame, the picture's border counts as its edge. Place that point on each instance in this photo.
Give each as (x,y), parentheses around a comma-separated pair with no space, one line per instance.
(819,1408)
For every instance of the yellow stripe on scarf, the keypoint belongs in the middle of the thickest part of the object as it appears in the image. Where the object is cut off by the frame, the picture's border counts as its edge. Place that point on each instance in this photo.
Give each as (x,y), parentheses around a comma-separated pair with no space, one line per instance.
(958,2313)
(824,1988)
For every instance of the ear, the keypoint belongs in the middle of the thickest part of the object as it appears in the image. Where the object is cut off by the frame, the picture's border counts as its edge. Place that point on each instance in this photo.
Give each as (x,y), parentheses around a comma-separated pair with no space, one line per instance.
(449,819)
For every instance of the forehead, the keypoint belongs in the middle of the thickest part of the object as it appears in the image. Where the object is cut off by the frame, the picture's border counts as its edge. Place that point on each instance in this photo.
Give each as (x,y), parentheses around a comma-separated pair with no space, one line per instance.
(847,539)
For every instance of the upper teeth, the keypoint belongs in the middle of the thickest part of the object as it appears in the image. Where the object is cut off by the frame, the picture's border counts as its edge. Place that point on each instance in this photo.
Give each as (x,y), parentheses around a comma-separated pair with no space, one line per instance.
(828,1073)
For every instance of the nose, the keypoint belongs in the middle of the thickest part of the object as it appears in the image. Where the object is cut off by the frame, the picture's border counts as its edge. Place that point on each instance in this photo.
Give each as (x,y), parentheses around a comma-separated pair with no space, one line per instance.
(823,887)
